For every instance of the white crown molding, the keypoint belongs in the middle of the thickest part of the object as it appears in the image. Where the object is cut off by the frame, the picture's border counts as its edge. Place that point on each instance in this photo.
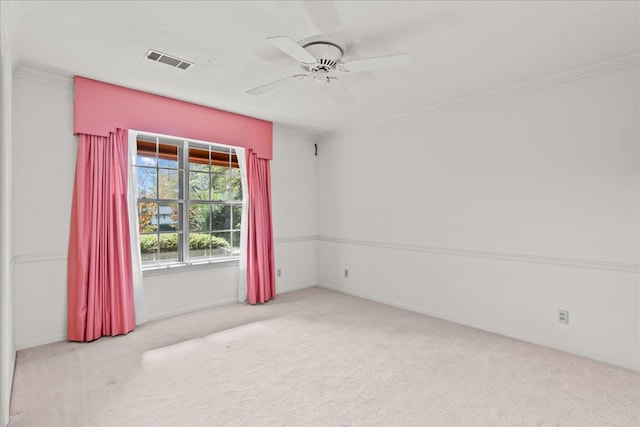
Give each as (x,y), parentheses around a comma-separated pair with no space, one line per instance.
(502,256)
(295,239)
(46,77)
(608,66)
(294,131)
(41,257)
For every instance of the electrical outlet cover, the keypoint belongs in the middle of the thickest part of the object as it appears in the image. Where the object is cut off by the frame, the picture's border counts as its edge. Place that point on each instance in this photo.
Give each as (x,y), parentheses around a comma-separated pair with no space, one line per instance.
(563,316)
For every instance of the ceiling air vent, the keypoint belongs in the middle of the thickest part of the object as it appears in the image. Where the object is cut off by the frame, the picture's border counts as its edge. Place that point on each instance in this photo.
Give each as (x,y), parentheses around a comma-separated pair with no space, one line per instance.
(154,55)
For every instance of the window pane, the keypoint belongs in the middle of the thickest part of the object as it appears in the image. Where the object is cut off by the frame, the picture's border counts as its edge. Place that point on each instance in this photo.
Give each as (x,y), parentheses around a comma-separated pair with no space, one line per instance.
(169,184)
(168,154)
(236,241)
(169,217)
(199,245)
(149,248)
(147,214)
(220,243)
(146,151)
(145,160)
(220,159)
(220,169)
(235,185)
(169,247)
(199,159)
(236,211)
(219,187)
(220,217)
(199,217)
(199,186)
(146,182)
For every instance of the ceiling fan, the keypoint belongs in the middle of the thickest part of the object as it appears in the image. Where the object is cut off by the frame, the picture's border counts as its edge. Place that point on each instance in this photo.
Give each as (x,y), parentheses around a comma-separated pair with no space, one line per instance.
(321,59)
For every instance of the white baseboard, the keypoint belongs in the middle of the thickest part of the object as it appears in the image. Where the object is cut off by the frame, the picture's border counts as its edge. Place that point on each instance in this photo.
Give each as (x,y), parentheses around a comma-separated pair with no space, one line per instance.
(41,341)
(392,303)
(294,288)
(151,318)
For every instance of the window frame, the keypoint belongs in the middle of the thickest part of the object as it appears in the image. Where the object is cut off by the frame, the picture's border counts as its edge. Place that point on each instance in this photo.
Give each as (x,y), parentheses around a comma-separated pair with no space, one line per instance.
(185,261)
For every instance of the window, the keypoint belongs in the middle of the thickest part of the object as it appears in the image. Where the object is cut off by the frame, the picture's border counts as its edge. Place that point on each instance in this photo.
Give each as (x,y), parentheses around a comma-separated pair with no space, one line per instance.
(189,198)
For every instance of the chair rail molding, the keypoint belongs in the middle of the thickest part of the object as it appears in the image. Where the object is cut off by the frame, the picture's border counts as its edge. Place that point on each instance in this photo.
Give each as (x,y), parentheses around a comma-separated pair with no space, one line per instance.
(295,239)
(503,256)
(39,257)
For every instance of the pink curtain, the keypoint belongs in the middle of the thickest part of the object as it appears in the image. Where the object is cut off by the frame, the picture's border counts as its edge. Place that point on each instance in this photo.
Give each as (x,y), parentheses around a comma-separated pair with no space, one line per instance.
(261,282)
(99,277)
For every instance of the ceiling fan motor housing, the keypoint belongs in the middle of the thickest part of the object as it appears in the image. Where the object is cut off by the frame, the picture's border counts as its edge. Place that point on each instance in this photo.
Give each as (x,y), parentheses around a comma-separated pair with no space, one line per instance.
(326,51)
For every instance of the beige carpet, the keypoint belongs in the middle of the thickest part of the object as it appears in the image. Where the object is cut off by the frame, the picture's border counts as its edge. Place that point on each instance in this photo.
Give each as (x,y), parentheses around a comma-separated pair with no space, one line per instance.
(316,358)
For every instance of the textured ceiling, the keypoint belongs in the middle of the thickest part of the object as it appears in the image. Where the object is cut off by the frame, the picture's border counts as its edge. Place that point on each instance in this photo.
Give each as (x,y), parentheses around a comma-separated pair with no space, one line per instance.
(457,49)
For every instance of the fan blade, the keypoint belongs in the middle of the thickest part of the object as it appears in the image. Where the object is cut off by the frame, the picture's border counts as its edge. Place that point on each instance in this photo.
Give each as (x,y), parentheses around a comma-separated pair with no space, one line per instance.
(323,14)
(338,92)
(370,64)
(274,85)
(293,49)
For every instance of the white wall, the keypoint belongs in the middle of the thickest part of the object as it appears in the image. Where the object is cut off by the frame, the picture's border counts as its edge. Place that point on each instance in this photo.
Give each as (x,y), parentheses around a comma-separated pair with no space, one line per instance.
(176,293)
(43,164)
(497,214)
(7,344)
(294,185)
(42,182)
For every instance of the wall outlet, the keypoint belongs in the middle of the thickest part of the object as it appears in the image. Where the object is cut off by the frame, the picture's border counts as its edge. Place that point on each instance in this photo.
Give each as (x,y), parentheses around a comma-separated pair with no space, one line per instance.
(278,272)
(346,273)
(563,316)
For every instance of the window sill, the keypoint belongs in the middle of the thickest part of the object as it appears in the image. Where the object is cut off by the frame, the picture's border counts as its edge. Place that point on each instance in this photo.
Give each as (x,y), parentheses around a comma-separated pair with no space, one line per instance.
(182,268)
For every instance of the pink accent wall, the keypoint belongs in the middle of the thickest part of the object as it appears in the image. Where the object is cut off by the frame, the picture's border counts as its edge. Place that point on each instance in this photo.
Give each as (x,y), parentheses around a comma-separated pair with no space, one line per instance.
(100,108)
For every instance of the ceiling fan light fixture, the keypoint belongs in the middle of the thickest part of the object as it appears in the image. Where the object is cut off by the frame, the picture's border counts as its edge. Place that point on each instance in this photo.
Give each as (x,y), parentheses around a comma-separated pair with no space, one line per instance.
(321,76)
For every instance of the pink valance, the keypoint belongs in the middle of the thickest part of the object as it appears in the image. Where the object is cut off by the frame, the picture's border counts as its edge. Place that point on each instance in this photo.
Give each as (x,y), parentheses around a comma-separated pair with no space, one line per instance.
(100,108)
